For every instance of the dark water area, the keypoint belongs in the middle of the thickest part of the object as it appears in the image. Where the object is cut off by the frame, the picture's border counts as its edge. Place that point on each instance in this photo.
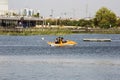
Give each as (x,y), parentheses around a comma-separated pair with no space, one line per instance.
(31,58)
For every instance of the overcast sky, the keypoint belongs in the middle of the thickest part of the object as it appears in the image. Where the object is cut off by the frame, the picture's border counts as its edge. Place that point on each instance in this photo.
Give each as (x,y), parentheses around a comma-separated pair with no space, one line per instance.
(66,8)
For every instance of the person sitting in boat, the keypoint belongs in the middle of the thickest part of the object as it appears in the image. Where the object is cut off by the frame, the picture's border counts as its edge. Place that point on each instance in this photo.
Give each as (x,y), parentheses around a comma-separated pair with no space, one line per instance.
(59,40)
(56,40)
(63,41)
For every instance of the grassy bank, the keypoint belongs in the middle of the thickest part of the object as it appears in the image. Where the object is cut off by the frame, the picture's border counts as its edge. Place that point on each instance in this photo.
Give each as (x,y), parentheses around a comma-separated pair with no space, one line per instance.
(56,31)
(98,31)
(35,31)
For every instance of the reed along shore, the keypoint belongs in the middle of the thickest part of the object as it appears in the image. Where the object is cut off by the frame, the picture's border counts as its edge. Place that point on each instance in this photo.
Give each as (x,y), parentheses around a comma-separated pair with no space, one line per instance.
(55,31)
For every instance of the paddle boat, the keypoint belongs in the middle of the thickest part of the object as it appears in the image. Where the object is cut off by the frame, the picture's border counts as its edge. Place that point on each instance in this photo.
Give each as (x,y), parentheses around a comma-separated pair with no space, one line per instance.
(60,42)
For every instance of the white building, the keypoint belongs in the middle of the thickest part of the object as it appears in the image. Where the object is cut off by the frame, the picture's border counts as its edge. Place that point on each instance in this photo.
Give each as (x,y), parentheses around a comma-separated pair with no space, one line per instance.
(3,7)
(28,12)
(24,12)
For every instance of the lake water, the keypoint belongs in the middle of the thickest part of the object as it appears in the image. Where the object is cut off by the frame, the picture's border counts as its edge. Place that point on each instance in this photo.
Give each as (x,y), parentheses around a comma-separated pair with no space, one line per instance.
(30,58)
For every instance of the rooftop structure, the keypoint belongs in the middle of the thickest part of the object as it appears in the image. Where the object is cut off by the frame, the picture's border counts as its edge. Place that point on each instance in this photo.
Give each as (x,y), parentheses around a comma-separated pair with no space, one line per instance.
(18,21)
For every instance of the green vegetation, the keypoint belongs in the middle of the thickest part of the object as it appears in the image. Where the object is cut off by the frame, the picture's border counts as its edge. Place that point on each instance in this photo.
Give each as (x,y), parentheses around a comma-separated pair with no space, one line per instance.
(118,22)
(55,31)
(35,31)
(36,15)
(104,18)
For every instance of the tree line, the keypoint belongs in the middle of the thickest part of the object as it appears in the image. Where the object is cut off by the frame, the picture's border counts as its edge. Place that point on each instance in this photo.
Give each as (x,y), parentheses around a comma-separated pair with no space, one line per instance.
(104,18)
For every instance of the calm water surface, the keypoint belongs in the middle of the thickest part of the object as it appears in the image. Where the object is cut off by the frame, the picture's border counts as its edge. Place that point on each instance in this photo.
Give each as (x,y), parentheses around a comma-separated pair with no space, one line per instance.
(30,58)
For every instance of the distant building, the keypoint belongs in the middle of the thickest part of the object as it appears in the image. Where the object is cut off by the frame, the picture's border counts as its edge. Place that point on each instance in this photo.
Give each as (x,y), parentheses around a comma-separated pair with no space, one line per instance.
(28,12)
(14,18)
(3,7)
(24,12)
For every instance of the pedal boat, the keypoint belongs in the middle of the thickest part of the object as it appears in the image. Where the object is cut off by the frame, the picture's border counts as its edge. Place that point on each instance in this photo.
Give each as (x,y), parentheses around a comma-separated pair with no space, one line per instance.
(66,43)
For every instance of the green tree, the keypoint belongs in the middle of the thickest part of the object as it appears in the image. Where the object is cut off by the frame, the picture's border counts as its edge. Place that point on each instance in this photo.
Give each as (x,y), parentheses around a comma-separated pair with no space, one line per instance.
(14,14)
(85,23)
(105,18)
(118,22)
(36,15)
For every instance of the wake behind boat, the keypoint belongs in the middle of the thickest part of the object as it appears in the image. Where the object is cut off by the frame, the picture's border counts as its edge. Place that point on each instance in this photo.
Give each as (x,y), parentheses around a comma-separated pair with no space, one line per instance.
(60,42)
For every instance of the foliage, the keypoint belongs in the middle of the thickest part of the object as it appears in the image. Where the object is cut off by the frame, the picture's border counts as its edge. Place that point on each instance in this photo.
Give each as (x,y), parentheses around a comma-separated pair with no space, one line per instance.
(34,31)
(36,15)
(105,18)
(68,22)
(104,24)
(118,22)
(14,14)
(85,23)
(51,21)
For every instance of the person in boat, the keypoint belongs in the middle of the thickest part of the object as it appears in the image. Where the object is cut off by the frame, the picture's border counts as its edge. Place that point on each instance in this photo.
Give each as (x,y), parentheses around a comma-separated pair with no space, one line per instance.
(59,40)
(63,41)
(56,40)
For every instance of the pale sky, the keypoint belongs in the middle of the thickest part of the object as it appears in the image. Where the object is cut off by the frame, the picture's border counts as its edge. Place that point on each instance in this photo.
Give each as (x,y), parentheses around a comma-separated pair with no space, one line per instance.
(66,8)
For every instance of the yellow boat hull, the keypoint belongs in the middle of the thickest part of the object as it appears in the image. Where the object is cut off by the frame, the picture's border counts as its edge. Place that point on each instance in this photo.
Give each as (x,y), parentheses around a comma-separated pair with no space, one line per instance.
(67,43)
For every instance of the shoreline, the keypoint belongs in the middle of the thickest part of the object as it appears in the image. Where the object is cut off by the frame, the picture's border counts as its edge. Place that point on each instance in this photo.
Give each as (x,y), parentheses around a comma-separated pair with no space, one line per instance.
(55,31)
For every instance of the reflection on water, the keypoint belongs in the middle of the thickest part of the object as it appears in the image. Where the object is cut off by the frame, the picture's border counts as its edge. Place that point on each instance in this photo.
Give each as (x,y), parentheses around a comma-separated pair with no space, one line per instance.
(52,68)
(57,60)
(30,58)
